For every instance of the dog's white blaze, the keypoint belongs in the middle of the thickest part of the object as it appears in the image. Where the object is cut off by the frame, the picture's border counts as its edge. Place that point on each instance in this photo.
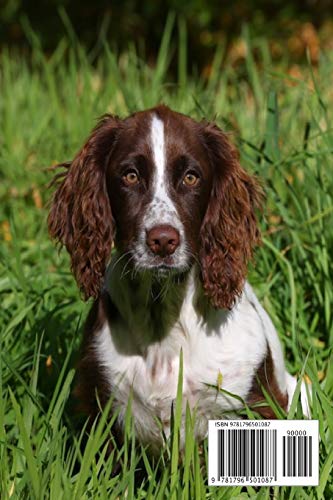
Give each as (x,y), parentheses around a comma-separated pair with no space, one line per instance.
(157,138)
(158,147)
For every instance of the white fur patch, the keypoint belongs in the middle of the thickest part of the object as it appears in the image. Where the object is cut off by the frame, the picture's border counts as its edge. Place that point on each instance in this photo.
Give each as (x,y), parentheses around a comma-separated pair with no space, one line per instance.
(158,148)
(162,209)
(291,387)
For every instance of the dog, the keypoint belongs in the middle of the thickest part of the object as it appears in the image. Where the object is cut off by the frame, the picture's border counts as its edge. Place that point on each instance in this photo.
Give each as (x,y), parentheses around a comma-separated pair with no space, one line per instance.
(168,195)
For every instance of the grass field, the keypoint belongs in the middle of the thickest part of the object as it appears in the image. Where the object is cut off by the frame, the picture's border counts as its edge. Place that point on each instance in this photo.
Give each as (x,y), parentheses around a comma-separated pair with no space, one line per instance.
(281,123)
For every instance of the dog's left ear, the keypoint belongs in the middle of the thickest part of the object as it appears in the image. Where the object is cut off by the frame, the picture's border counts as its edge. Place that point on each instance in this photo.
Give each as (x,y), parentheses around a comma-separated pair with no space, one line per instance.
(229,231)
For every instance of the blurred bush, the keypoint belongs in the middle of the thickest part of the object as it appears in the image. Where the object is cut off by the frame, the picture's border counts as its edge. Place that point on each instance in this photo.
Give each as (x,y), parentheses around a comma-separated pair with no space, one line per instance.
(291,27)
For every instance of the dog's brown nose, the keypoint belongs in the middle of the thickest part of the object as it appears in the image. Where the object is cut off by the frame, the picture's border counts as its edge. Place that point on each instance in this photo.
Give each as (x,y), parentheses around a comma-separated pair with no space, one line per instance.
(163,240)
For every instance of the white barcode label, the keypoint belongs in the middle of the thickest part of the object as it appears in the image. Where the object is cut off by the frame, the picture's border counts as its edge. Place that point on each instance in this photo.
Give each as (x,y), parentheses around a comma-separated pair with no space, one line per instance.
(263,452)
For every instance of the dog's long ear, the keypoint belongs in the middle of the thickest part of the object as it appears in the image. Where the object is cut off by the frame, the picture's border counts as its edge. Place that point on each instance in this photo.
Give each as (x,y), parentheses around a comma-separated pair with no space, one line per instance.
(229,231)
(80,217)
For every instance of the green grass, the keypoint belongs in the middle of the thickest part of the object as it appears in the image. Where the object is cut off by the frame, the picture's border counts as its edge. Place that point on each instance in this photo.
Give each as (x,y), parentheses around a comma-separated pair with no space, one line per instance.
(282,127)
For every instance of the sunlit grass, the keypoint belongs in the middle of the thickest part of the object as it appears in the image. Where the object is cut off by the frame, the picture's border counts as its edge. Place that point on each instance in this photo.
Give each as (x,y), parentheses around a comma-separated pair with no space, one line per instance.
(283,129)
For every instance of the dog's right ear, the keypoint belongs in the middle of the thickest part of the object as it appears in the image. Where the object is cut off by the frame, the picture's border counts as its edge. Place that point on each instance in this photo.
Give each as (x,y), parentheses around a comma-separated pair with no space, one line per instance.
(80,217)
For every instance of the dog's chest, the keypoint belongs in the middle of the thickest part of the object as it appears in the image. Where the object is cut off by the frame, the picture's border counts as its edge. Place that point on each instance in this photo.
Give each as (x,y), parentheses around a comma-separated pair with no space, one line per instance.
(209,363)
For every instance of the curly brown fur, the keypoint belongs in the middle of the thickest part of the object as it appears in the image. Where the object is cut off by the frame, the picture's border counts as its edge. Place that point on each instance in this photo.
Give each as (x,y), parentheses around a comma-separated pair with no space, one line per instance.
(229,231)
(80,217)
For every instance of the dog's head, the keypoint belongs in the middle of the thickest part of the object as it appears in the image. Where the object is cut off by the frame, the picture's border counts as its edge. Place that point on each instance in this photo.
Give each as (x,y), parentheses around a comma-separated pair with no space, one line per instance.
(168,191)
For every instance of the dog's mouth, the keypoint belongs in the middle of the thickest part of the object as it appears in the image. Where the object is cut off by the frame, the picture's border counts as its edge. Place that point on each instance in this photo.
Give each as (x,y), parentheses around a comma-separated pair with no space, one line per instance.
(164,270)
(164,265)
(161,267)
(166,273)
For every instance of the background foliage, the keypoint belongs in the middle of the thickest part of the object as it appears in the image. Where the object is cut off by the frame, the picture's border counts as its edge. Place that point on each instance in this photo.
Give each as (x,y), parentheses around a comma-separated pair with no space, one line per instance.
(290,27)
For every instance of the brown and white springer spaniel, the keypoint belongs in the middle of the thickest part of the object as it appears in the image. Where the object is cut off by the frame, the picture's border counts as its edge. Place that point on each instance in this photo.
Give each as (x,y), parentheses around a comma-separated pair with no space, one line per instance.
(169,193)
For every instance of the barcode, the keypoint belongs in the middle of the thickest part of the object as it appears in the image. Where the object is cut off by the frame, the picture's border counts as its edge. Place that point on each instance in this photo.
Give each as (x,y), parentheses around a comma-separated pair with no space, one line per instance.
(297,456)
(246,453)
(263,452)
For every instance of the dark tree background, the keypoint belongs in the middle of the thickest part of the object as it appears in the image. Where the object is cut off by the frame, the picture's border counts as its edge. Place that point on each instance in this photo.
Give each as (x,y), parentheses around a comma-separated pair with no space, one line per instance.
(290,26)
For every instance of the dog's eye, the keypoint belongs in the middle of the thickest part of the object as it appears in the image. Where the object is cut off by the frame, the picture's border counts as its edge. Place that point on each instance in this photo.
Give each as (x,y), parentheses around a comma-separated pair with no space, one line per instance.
(131,178)
(190,179)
